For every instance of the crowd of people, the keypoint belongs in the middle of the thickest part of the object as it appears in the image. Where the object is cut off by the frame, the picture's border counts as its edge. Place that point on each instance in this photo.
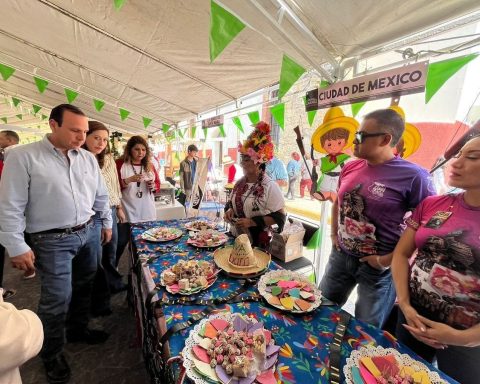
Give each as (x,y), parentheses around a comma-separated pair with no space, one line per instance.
(66,208)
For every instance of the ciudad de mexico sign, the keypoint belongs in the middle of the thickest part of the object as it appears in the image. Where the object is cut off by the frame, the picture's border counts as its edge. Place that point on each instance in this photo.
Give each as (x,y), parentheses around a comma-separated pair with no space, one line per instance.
(399,81)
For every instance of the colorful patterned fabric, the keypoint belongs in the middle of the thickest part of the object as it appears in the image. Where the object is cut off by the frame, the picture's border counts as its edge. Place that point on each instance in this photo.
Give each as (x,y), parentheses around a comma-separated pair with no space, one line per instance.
(303,339)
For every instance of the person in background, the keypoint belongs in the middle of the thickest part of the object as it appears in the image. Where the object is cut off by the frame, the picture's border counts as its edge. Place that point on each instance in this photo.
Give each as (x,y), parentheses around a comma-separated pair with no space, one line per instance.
(374,194)
(187,170)
(256,202)
(139,182)
(305,180)
(107,280)
(21,338)
(293,170)
(52,189)
(8,139)
(275,169)
(235,171)
(438,293)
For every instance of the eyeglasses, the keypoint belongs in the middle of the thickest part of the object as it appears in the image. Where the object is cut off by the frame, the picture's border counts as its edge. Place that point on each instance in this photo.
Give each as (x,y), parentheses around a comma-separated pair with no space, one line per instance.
(361,135)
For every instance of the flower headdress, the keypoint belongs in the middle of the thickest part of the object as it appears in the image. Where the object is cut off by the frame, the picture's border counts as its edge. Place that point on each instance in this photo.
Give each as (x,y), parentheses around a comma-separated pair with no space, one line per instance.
(258,144)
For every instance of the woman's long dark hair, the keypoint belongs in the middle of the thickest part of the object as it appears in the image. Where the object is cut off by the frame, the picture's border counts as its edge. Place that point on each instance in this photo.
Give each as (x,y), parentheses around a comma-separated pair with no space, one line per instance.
(127,152)
(97,126)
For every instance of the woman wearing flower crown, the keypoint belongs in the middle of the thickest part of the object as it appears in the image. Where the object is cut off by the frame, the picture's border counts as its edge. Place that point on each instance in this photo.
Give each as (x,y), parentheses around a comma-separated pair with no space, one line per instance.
(256,202)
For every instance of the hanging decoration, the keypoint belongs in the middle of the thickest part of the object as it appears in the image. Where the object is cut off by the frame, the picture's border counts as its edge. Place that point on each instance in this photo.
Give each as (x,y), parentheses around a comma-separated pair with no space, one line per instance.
(177,156)
(356,107)
(181,134)
(19,116)
(6,71)
(118,4)
(254,117)
(4,119)
(324,84)
(310,114)
(224,27)
(316,240)
(41,84)
(16,101)
(222,130)
(99,104)
(289,74)
(236,120)
(278,113)
(123,113)
(205,133)
(194,131)
(44,117)
(71,95)
(441,71)
(165,128)
(36,108)
(146,122)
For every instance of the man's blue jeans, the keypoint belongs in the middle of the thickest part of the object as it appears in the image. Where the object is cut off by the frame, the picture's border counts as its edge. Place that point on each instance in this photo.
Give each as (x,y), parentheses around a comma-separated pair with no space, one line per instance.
(376,292)
(67,264)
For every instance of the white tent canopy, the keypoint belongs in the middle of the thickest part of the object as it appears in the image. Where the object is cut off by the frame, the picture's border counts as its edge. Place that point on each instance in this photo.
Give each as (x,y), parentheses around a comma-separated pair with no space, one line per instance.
(152,57)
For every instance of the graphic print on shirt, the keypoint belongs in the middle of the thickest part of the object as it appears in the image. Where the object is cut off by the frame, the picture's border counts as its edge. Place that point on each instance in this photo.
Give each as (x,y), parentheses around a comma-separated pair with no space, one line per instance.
(445,280)
(357,234)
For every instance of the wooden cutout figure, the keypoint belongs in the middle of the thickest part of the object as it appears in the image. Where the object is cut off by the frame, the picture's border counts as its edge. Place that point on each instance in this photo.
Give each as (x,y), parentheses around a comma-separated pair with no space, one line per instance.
(332,137)
(411,138)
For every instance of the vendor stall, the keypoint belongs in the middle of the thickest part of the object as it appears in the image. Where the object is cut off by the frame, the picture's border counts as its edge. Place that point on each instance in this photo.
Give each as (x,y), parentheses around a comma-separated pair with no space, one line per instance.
(304,336)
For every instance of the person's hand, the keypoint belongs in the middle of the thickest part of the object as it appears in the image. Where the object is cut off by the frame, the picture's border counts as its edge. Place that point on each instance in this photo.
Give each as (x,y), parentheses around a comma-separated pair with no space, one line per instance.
(151,185)
(121,215)
(441,333)
(24,262)
(228,216)
(133,179)
(374,261)
(244,223)
(412,317)
(106,235)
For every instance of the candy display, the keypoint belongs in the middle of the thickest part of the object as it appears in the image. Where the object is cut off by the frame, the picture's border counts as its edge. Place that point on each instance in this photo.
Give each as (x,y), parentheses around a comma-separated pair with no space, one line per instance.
(207,238)
(386,366)
(229,348)
(199,225)
(289,291)
(161,234)
(188,277)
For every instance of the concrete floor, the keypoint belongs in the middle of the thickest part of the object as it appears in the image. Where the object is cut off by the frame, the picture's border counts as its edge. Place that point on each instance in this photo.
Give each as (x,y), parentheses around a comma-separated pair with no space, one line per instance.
(117,361)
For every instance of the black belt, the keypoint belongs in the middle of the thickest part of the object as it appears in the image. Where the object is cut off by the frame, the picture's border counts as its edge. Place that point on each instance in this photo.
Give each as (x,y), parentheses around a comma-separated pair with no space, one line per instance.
(333,174)
(335,347)
(64,230)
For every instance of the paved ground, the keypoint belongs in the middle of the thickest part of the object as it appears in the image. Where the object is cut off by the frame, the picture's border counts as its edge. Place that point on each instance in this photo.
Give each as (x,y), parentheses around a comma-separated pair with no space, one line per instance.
(117,361)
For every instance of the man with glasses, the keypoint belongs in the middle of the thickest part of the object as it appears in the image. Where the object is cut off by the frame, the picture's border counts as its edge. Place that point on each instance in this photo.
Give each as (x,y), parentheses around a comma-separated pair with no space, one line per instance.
(374,194)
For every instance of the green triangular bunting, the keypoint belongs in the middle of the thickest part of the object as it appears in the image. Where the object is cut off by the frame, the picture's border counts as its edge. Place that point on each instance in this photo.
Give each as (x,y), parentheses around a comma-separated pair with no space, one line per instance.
(438,73)
(71,95)
(36,108)
(316,240)
(4,119)
(181,134)
(41,84)
(222,130)
(6,71)
(205,133)
(44,117)
(118,4)
(290,73)
(324,84)
(99,104)
(16,101)
(123,113)
(223,28)
(238,123)
(177,156)
(19,116)
(254,117)
(165,128)
(278,113)
(310,114)
(356,107)
(194,131)
(146,121)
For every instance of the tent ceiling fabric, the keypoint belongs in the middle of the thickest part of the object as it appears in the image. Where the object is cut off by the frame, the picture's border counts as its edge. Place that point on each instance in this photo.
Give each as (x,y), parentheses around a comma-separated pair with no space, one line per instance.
(152,57)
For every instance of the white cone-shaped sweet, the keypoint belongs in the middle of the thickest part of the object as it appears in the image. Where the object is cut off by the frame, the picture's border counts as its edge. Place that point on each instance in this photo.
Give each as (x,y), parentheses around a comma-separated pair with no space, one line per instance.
(242,255)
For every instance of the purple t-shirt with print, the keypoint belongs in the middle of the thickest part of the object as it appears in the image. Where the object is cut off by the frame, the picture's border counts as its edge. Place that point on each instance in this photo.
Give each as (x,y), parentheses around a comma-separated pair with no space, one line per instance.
(373,201)
(445,276)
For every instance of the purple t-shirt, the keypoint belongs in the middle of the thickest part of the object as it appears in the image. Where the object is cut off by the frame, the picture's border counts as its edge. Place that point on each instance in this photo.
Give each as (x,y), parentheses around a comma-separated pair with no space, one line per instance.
(445,276)
(373,201)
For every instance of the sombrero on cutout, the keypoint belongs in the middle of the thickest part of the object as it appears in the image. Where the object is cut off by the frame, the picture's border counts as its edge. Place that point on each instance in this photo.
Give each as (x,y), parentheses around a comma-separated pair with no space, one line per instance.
(411,136)
(334,118)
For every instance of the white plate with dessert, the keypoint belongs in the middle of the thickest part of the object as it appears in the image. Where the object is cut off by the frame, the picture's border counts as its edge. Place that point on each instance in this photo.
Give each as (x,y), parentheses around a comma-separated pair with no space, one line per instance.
(207,239)
(161,234)
(200,225)
(189,277)
(230,347)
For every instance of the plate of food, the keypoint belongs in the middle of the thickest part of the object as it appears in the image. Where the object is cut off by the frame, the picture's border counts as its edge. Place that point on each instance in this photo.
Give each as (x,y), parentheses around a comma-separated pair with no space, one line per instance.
(229,347)
(207,239)
(189,277)
(200,225)
(289,291)
(387,365)
(162,234)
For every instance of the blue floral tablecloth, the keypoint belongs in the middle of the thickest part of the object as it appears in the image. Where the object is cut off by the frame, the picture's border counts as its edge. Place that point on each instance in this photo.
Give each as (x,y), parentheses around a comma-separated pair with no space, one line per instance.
(304,340)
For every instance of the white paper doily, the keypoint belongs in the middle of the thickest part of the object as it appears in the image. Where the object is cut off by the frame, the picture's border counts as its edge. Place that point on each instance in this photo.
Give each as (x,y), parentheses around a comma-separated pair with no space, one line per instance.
(262,285)
(403,359)
(194,339)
